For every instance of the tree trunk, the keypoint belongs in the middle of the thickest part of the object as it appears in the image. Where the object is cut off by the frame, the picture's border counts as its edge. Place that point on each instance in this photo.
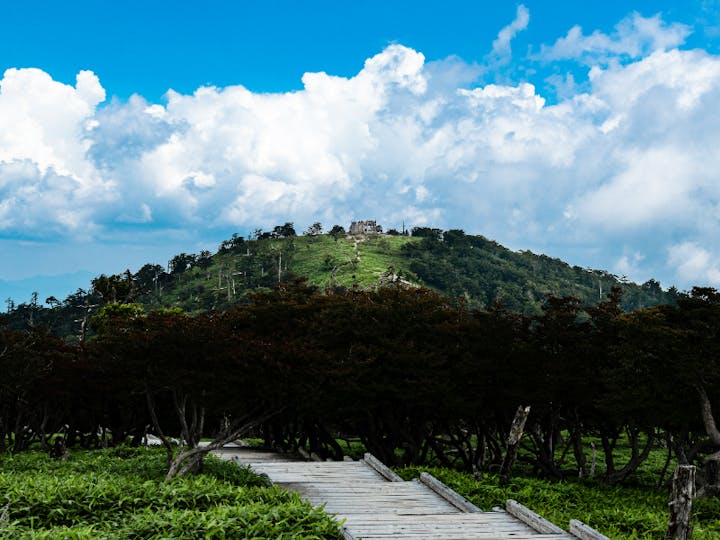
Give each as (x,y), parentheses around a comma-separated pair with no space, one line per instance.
(708,420)
(637,457)
(513,443)
(191,459)
(711,468)
(158,430)
(679,526)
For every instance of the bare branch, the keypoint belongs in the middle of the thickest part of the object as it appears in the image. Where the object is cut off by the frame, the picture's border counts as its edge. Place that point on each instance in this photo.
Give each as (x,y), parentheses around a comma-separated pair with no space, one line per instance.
(156,424)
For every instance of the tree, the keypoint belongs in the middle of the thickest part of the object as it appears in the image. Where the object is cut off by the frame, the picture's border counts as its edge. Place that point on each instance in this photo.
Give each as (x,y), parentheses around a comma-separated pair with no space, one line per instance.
(314,229)
(115,288)
(111,314)
(698,315)
(191,374)
(337,231)
(26,360)
(150,279)
(204,259)
(427,232)
(556,375)
(180,263)
(652,286)
(235,243)
(455,238)
(284,231)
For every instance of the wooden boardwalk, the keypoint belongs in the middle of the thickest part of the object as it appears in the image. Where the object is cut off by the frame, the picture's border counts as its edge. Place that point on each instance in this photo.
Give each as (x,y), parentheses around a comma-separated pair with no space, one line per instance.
(372,502)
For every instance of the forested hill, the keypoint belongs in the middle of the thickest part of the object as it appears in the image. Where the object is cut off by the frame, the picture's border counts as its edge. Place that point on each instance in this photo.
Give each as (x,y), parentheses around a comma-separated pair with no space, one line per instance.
(470,267)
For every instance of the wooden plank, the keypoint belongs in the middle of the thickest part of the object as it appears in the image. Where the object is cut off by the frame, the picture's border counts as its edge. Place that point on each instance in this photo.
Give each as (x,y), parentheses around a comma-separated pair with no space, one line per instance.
(376,494)
(307,465)
(495,520)
(344,512)
(461,536)
(373,502)
(526,515)
(381,468)
(346,472)
(584,532)
(314,466)
(454,517)
(244,455)
(448,494)
(420,526)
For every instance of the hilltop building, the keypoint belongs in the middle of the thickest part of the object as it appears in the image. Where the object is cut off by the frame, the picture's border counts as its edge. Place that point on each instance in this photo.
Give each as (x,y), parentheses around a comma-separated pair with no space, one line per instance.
(365,227)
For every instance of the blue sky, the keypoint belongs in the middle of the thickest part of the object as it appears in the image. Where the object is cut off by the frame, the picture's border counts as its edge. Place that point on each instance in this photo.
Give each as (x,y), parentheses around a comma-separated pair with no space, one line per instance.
(131,132)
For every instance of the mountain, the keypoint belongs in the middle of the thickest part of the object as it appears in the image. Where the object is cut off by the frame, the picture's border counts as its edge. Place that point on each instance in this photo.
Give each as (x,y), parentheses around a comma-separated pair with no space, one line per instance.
(472,268)
(458,265)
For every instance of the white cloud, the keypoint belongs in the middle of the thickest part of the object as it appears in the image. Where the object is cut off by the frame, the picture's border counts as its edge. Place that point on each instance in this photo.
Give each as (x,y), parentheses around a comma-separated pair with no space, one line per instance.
(624,168)
(633,37)
(661,125)
(47,122)
(47,184)
(684,75)
(694,264)
(501,50)
(651,185)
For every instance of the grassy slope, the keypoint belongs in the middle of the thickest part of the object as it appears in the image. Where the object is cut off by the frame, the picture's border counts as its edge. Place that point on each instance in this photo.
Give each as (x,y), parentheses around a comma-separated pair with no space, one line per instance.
(120,493)
(315,257)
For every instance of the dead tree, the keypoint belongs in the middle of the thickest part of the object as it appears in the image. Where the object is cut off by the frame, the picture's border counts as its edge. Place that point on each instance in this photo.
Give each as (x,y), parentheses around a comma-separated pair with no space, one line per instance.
(513,443)
(683,492)
(87,308)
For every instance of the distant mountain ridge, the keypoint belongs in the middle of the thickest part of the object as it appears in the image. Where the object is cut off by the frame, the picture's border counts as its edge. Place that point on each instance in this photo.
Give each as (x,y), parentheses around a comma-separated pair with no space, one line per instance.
(479,271)
(21,290)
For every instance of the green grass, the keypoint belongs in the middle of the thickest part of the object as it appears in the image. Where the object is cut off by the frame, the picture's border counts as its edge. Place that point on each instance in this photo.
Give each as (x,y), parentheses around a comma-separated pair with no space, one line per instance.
(377,255)
(315,257)
(619,512)
(120,494)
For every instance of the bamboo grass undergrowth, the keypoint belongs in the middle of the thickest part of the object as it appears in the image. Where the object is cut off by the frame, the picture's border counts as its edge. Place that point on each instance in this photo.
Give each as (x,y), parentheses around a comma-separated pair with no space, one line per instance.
(619,512)
(120,493)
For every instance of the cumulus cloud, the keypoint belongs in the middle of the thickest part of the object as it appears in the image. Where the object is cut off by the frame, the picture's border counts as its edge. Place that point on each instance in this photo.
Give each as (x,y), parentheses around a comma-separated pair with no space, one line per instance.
(633,37)
(47,184)
(660,126)
(619,175)
(46,121)
(122,132)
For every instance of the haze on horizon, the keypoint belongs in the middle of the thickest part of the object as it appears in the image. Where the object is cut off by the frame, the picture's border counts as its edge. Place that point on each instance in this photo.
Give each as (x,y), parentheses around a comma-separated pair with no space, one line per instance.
(131,133)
